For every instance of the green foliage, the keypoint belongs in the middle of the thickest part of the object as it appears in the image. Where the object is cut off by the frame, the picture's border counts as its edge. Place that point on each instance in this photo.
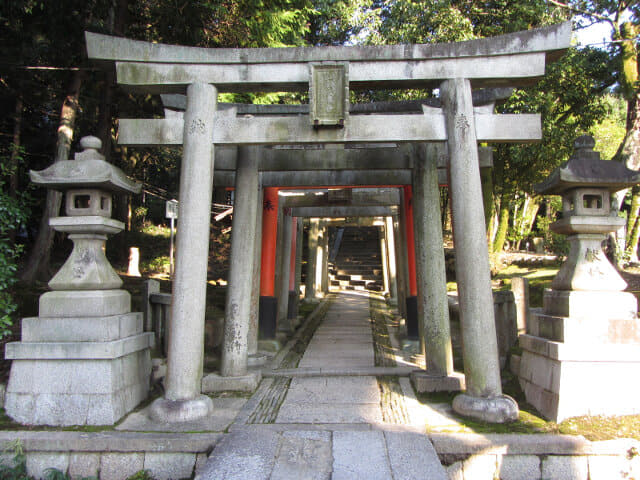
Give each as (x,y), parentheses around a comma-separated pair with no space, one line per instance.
(55,474)
(161,264)
(227,23)
(338,22)
(609,131)
(17,470)
(141,475)
(13,215)
(407,21)
(422,21)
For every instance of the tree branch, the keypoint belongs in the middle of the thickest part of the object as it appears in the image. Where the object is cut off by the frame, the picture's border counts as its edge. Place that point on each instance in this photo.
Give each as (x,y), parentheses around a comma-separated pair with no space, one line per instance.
(603,18)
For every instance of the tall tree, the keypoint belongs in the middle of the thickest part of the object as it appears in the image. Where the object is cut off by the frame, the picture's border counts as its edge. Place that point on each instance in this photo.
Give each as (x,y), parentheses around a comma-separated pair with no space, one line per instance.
(623,17)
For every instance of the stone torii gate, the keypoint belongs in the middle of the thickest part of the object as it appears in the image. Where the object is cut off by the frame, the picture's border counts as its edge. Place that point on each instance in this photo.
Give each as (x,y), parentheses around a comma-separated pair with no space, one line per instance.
(329,73)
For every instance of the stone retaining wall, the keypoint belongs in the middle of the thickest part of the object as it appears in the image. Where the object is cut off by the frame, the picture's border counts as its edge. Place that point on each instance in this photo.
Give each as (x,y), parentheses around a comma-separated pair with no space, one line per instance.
(112,455)
(535,457)
(117,455)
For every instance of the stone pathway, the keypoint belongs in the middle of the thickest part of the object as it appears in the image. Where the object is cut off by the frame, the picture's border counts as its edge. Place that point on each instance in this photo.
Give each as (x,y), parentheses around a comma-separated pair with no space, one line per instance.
(342,340)
(321,425)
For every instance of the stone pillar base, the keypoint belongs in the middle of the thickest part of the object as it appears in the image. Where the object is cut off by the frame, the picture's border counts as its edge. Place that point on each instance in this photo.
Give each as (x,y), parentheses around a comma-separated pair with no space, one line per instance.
(423,382)
(563,380)
(498,409)
(244,383)
(419,358)
(413,329)
(269,346)
(282,336)
(256,360)
(268,314)
(292,308)
(411,346)
(176,411)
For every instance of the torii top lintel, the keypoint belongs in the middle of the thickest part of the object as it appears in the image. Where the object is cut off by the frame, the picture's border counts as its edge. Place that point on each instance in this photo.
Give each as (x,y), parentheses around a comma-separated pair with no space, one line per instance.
(507,60)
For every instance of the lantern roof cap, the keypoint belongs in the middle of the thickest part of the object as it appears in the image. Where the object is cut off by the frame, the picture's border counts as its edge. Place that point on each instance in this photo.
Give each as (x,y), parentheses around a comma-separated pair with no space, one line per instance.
(585,169)
(88,170)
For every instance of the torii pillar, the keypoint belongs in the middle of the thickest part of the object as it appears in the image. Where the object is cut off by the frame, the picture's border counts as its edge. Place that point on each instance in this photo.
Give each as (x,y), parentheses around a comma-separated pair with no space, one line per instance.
(234,374)
(413,330)
(483,398)
(182,400)
(433,305)
(268,301)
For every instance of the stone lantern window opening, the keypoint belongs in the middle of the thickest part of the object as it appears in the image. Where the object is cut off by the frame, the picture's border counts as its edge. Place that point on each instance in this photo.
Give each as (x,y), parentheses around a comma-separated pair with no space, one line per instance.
(80,202)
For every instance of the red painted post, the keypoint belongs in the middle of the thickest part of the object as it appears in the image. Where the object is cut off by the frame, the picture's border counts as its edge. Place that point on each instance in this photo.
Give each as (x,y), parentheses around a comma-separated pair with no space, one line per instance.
(411,245)
(292,262)
(269,235)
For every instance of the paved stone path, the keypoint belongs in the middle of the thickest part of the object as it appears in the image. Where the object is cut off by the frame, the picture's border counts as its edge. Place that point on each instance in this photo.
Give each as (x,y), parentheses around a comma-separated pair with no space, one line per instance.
(328,426)
(342,340)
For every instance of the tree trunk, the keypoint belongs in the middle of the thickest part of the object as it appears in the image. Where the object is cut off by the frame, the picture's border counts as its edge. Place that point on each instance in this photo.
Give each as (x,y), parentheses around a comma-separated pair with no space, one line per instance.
(13,159)
(629,151)
(486,178)
(532,213)
(118,21)
(629,154)
(503,223)
(633,227)
(37,267)
(444,209)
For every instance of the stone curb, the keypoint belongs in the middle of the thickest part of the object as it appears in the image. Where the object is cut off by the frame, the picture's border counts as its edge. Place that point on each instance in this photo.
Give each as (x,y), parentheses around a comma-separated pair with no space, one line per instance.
(45,441)
(519,444)
(332,372)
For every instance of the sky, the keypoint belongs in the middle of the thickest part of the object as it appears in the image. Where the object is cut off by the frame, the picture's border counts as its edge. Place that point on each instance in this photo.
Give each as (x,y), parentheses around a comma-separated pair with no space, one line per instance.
(596,33)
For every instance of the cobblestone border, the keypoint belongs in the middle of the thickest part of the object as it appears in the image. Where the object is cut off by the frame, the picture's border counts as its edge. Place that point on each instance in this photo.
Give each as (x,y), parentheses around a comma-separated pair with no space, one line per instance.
(267,407)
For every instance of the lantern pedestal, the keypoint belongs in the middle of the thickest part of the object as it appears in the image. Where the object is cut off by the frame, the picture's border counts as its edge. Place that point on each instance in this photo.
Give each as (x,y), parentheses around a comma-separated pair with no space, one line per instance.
(85,359)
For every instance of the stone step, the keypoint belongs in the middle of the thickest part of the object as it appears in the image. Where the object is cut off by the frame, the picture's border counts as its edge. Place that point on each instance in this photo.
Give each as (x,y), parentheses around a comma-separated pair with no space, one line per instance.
(370,277)
(358,250)
(262,454)
(358,266)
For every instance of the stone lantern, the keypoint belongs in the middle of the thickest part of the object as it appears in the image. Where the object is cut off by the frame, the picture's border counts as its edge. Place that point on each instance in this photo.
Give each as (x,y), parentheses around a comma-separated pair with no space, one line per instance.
(582,348)
(85,358)
(89,183)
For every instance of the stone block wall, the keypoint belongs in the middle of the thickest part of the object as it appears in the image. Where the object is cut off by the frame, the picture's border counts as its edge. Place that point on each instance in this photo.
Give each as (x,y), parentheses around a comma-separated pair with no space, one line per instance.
(113,455)
(536,457)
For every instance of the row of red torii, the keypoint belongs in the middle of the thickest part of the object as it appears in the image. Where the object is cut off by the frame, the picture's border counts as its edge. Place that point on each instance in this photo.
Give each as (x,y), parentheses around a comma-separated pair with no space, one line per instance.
(264,147)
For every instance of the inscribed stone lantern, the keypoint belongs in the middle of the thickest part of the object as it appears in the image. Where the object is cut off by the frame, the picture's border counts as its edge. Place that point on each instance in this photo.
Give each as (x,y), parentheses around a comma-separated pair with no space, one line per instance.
(586,183)
(582,348)
(89,183)
(85,359)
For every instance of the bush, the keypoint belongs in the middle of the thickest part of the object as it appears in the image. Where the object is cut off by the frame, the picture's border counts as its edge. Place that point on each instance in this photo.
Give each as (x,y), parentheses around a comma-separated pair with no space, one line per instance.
(13,216)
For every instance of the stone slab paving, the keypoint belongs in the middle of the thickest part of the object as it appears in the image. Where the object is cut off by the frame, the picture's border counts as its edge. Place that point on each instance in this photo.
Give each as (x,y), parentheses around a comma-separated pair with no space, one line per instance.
(259,453)
(360,455)
(336,399)
(328,426)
